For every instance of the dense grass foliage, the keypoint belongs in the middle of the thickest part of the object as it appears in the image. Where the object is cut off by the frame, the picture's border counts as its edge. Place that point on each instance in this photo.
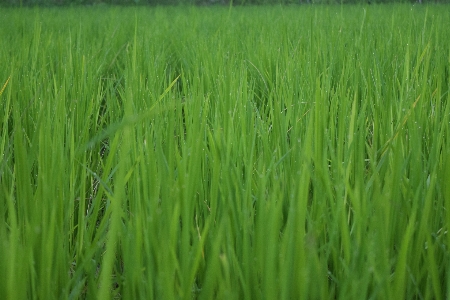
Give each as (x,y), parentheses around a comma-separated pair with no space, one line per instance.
(258,152)
(201,2)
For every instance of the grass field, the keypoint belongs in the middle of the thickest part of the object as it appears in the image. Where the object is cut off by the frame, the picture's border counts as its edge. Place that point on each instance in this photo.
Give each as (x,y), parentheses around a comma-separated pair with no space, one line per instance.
(207,152)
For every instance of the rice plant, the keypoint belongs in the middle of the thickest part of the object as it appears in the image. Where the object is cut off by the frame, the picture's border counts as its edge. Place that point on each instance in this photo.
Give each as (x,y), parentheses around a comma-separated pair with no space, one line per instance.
(271,152)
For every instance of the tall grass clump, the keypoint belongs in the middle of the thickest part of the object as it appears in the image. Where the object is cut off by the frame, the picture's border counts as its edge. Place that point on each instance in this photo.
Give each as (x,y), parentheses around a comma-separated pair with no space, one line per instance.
(225,152)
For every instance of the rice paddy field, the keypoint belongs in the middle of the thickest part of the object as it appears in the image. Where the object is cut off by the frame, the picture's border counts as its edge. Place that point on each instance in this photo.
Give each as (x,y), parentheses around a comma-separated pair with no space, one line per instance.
(272,152)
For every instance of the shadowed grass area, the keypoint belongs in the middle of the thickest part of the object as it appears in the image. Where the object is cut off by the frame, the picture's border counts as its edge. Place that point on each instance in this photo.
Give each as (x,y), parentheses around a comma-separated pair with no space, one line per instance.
(230,153)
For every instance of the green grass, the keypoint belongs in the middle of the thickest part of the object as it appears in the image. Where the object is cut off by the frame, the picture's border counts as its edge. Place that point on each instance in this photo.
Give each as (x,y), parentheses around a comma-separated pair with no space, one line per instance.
(244,153)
